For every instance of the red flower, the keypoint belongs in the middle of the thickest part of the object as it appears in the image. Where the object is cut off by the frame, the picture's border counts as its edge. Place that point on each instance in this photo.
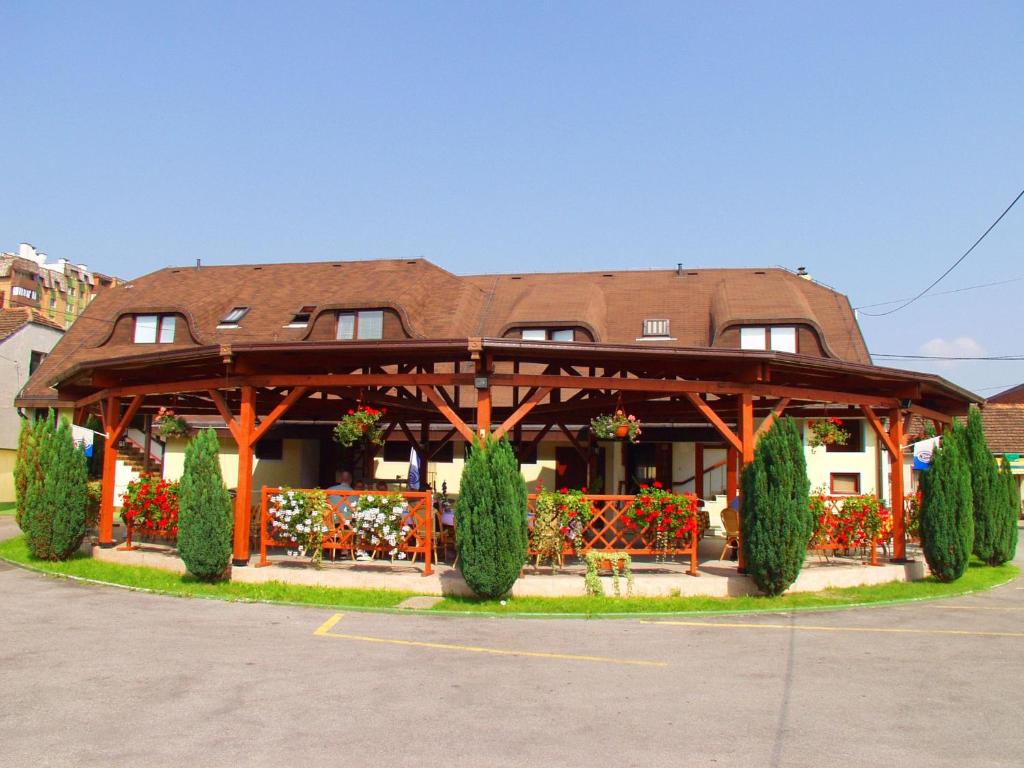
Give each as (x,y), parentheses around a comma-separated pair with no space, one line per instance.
(657,484)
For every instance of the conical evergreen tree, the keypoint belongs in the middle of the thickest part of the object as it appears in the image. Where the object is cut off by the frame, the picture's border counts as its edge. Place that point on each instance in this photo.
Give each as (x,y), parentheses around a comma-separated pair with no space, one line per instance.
(987,492)
(204,510)
(947,513)
(491,536)
(25,465)
(36,520)
(1008,517)
(776,522)
(66,495)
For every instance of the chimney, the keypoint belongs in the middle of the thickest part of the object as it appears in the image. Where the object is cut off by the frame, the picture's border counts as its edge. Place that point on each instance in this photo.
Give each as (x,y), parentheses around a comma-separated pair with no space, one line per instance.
(198,264)
(679,269)
(802,272)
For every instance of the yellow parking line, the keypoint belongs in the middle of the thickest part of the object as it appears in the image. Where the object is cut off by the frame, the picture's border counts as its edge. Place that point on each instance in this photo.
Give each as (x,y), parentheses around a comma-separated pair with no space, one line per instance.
(940,606)
(324,630)
(821,628)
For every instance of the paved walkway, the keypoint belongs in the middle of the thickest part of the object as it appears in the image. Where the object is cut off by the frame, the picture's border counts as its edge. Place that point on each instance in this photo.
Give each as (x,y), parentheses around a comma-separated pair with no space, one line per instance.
(96,676)
(718,578)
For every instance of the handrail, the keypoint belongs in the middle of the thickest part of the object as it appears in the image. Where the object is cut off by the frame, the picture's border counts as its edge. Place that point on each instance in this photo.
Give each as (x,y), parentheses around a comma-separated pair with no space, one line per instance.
(419,539)
(690,479)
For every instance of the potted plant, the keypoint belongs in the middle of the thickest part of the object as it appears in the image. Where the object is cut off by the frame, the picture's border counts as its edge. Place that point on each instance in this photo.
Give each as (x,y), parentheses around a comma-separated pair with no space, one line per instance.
(150,506)
(827,431)
(380,522)
(664,516)
(359,424)
(616,425)
(297,517)
(561,516)
(169,425)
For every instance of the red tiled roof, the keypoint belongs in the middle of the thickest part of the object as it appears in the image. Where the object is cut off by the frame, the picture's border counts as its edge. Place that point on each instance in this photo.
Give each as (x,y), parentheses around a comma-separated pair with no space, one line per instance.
(1012,396)
(1004,427)
(13,319)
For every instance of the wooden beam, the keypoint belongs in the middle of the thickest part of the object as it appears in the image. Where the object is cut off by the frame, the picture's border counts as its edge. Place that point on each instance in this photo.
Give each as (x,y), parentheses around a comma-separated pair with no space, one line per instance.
(521,451)
(575,443)
(517,415)
(896,490)
(746,428)
(883,435)
(771,417)
(243,487)
(448,412)
(225,413)
(436,447)
(716,422)
(928,413)
(290,399)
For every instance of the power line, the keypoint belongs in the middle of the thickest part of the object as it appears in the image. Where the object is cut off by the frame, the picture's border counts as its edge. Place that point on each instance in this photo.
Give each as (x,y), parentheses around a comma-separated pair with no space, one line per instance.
(954,265)
(943,293)
(949,357)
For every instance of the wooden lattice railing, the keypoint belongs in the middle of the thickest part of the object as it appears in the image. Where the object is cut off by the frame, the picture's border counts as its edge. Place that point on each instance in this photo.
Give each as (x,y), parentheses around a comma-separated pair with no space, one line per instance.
(340,537)
(607,530)
(835,533)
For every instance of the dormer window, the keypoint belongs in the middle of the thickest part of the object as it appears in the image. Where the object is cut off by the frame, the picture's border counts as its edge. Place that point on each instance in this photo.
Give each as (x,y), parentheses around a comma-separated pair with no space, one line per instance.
(364,324)
(153,329)
(655,328)
(301,318)
(778,338)
(548,334)
(232,318)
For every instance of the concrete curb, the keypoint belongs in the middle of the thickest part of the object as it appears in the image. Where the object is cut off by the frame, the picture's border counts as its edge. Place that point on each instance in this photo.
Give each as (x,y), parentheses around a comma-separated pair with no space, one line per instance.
(499,614)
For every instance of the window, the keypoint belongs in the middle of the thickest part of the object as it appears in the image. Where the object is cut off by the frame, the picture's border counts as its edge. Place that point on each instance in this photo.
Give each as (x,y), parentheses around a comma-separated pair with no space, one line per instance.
(783,339)
(655,328)
(548,334)
(856,442)
(753,338)
(301,318)
(150,329)
(34,360)
(778,339)
(270,450)
(25,293)
(841,483)
(364,324)
(232,318)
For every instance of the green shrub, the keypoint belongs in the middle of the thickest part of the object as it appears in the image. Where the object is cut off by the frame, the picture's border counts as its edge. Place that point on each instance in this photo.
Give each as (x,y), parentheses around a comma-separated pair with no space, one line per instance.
(491,535)
(988,494)
(1006,533)
(55,492)
(26,465)
(776,523)
(947,511)
(204,511)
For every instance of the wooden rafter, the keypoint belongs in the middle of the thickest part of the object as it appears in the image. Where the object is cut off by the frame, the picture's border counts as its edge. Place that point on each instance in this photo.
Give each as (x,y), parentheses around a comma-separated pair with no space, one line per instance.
(776,412)
(881,431)
(290,399)
(716,422)
(448,412)
(225,413)
(528,405)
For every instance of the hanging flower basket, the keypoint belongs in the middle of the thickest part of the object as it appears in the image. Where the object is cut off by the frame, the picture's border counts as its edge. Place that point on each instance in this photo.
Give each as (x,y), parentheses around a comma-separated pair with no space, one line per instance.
(617,425)
(169,425)
(828,431)
(358,425)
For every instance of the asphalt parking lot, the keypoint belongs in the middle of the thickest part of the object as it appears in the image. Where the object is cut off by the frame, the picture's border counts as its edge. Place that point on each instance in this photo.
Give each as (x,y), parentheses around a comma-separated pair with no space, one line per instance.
(98,676)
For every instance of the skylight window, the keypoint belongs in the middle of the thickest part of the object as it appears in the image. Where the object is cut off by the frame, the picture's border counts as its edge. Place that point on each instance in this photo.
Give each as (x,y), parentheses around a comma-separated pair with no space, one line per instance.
(301,318)
(232,318)
(656,328)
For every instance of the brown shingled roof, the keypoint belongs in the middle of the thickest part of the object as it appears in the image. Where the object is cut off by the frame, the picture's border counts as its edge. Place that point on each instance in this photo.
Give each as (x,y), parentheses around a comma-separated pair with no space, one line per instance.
(436,304)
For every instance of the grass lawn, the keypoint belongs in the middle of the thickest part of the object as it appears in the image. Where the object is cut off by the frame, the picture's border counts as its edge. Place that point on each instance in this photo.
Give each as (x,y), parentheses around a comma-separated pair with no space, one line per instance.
(6,507)
(978,577)
(185,586)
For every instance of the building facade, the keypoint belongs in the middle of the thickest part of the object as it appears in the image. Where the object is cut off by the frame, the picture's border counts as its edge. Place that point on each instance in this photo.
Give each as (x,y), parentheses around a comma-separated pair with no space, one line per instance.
(26,338)
(60,291)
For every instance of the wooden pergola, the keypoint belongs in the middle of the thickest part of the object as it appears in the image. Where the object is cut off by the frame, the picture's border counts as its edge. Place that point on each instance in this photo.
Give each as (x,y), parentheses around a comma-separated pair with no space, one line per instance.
(480,386)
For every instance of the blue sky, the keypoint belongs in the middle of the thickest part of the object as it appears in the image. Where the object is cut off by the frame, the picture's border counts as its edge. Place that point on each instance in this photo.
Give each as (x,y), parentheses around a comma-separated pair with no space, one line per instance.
(871,142)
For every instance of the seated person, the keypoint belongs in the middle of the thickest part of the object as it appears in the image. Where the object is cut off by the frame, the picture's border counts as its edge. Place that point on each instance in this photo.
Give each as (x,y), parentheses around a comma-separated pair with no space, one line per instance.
(343,482)
(381,486)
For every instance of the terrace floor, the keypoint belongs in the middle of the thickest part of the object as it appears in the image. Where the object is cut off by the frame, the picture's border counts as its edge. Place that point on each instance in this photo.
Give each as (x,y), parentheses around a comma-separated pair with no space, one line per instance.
(718,578)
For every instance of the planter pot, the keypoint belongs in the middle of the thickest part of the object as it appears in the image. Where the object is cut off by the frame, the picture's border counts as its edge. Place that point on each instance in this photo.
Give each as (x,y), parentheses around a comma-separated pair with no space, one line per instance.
(609,565)
(622,431)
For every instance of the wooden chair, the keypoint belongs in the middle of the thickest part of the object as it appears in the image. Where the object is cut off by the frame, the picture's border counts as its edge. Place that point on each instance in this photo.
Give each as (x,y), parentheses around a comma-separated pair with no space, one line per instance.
(339,535)
(731,523)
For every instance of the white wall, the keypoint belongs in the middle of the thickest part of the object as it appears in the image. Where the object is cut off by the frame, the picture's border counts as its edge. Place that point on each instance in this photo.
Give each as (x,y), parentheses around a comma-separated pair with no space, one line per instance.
(821,463)
(15,354)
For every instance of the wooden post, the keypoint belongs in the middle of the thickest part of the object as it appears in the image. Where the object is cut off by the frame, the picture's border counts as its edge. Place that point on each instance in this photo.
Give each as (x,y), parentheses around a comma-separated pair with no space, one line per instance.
(106,522)
(732,459)
(483,406)
(698,470)
(746,429)
(899,540)
(243,488)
